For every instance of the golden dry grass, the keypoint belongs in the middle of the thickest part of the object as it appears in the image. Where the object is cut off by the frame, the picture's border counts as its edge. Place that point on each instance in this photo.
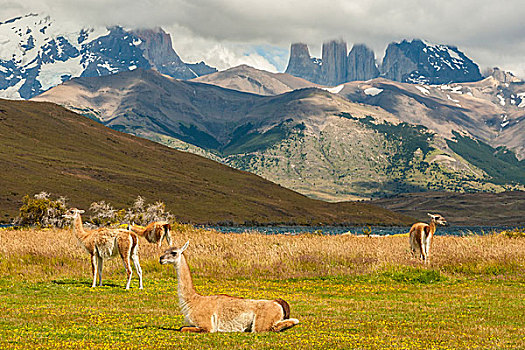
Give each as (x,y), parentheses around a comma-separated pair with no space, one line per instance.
(42,253)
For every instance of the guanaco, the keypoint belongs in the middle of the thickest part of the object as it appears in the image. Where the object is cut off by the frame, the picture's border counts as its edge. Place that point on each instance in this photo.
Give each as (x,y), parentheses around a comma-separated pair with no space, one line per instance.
(421,235)
(105,243)
(224,313)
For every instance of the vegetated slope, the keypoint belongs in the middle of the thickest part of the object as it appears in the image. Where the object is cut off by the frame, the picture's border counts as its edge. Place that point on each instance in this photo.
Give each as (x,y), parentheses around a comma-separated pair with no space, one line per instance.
(489,110)
(493,209)
(309,140)
(45,147)
(248,79)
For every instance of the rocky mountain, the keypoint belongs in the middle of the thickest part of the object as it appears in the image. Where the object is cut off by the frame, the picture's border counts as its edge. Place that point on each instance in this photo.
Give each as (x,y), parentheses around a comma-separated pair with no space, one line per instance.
(488,110)
(333,69)
(415,61)
(361,64)
(45,147)
(37,53)
(418,61)
(248,79)
(302,65)
(336,66)
(310,140)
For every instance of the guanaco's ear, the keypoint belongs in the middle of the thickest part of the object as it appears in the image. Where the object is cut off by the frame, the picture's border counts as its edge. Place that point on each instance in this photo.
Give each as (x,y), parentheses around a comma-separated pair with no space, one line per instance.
(430,215)
(185,246)
(80,211)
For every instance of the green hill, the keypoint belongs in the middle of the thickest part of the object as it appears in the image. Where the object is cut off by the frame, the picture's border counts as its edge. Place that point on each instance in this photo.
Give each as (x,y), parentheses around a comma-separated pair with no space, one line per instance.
(45,147)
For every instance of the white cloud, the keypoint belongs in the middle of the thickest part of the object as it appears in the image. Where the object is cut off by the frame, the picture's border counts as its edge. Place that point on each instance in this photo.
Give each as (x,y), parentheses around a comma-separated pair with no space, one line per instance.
(229,31)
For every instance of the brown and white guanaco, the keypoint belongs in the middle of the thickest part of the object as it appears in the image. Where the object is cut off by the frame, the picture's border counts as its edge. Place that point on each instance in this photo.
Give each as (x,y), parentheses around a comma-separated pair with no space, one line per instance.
(224,313)
(421,235)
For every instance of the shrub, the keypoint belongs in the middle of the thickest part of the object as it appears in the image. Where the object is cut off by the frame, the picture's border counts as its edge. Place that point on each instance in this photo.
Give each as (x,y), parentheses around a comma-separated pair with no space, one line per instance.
(40,210)
(139,213)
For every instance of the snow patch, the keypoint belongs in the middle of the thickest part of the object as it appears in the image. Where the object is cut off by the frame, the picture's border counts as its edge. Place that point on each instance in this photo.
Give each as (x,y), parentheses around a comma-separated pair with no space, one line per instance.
(451,99)
(335,89)
(51,74)
(422,90)
(12,91)
(373,91)
(501,100)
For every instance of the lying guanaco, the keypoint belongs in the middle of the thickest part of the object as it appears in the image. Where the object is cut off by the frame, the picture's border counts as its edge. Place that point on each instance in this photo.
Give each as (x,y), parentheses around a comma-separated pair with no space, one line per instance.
(224,313)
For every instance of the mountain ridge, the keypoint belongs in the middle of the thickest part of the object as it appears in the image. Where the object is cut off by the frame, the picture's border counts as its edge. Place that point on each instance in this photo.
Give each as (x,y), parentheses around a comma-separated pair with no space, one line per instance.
(310,140)
(48,148)
(36,53)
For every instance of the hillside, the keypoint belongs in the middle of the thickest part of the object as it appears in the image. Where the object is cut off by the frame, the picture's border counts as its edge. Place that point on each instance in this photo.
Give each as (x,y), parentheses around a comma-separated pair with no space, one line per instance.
(248,79)
(309,140)
(491,111)
(45,147)
(491,209)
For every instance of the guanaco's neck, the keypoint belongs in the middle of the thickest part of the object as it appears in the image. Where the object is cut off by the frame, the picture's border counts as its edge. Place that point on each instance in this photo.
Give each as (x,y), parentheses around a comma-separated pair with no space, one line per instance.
(432,227)
(138,231)
(78,228)
(185,286)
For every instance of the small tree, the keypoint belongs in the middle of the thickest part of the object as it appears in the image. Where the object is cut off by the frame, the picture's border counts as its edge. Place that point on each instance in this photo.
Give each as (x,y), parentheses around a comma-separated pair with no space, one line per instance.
(42,211)
(139,213)
(105,214)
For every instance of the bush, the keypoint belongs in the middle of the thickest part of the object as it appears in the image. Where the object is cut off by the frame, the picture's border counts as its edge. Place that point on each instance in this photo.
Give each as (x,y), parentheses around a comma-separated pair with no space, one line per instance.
(42,211)
(139,213)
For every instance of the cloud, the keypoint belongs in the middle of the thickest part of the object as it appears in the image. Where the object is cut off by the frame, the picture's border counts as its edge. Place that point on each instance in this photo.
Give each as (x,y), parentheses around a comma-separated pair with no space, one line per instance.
(230,31)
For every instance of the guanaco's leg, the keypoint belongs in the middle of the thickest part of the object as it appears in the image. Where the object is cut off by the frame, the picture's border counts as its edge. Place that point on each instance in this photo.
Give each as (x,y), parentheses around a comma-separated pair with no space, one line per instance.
(284,324)
(100,263)
(193,330)
(94,270)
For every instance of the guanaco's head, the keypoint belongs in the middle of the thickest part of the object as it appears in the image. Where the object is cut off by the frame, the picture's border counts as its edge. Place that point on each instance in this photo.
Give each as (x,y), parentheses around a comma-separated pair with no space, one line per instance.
(72,213)
(173,255)
(438,219)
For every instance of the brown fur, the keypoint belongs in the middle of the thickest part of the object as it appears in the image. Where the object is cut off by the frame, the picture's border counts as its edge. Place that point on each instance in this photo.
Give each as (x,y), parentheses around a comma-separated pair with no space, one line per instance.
(285,306)
(105,243)
(421,235)
(155,232)
(223,313)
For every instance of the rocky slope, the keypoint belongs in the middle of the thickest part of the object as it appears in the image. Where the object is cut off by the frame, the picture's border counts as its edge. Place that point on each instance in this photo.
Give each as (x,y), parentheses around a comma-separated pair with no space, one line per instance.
(489,110)
(309,140)
(336,65)
(37,53)
(44,147)
(415,61)
(418,61)
(248,79)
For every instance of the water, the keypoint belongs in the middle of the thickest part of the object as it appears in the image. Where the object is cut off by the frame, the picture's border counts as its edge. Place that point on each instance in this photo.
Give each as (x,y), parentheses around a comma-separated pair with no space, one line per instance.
(358,230)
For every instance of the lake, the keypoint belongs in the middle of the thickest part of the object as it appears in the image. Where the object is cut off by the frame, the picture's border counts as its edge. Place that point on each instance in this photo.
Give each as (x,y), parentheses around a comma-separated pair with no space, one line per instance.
(337,230)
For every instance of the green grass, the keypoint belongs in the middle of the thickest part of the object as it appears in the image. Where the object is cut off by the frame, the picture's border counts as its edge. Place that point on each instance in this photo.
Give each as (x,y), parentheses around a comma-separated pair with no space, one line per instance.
(335,313)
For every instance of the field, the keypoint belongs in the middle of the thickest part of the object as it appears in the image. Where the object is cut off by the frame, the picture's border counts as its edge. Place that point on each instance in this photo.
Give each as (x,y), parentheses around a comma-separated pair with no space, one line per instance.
(347,291)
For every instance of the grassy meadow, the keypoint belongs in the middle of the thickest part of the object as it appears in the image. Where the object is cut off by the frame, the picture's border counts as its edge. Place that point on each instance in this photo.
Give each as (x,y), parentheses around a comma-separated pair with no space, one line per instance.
(347,291)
